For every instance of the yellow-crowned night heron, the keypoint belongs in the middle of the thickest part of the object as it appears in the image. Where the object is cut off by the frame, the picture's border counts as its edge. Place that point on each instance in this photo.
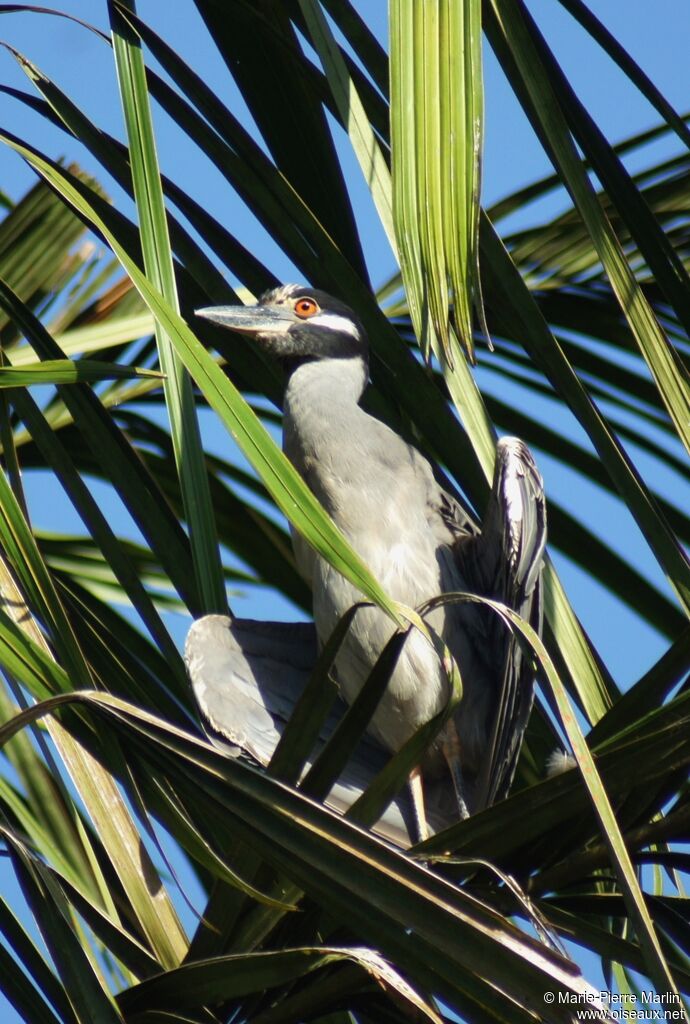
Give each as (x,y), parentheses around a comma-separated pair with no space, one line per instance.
(416,539)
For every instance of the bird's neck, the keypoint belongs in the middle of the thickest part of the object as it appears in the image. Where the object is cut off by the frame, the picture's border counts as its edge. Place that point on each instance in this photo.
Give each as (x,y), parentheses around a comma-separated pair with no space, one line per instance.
(320,412)
(323,386)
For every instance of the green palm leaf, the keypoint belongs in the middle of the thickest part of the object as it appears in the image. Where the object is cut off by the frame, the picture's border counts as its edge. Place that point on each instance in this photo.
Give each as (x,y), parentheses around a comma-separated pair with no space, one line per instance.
(588,311)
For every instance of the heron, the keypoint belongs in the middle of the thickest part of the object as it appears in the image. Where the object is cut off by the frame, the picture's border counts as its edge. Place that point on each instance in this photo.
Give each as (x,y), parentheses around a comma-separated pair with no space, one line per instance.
(418,540)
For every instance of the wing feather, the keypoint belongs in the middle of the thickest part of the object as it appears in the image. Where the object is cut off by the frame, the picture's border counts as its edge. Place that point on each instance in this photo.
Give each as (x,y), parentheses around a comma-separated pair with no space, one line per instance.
(504,562)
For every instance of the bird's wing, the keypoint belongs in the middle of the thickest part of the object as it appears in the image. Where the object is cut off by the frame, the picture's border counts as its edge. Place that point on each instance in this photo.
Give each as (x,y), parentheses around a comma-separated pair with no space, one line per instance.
(453,517)
(504,563)
(243,673)
(247,677)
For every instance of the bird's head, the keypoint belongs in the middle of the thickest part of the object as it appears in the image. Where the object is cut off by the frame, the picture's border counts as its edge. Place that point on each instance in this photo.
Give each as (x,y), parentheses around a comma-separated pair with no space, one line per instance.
(296,324)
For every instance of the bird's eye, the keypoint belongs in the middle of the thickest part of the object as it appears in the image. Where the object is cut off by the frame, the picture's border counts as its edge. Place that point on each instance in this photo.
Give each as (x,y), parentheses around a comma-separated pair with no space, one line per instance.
(304,308)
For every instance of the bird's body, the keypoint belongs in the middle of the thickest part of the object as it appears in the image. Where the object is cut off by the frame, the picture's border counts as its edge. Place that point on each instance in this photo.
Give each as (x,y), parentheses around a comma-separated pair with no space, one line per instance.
(399,530)
(416,539)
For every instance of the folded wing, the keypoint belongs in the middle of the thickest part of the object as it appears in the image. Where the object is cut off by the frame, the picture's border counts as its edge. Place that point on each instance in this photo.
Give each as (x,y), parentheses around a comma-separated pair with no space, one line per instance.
(504,563)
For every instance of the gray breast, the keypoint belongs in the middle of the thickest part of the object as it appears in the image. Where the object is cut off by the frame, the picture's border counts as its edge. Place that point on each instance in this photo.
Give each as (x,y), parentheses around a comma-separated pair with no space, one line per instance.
(382,495)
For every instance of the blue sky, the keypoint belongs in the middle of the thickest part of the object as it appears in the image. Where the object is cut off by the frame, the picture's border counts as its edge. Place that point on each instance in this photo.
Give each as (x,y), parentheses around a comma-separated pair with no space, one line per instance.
(657,39)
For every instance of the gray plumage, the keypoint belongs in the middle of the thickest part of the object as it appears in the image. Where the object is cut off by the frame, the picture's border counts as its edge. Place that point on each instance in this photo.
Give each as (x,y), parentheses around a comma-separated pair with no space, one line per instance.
(416,539)
(247,677)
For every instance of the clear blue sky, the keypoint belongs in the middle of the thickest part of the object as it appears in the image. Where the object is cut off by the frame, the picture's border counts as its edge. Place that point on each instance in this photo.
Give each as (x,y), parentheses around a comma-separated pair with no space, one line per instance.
(656,37)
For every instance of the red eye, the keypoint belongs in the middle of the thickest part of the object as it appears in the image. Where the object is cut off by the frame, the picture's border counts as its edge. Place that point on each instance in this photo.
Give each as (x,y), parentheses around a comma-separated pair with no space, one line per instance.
(305,308)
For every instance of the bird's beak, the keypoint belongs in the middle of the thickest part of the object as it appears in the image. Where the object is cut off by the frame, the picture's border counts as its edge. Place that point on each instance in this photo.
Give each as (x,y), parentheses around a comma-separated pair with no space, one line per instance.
(249,319)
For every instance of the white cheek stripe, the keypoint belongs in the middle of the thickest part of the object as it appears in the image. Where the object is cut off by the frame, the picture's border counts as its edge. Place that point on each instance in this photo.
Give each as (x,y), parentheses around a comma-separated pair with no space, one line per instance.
(341,324)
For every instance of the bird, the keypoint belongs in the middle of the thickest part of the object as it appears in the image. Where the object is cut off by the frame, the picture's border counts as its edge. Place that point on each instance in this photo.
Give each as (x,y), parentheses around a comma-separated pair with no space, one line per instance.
(418,540)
